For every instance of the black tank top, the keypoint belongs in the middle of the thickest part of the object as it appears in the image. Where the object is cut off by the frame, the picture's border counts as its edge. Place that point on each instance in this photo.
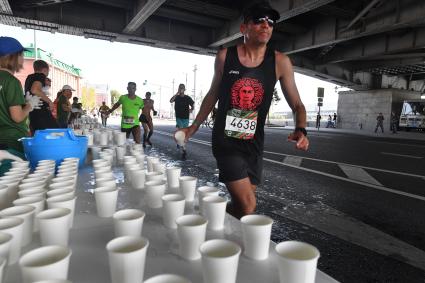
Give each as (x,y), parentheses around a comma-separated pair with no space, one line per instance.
(261,80)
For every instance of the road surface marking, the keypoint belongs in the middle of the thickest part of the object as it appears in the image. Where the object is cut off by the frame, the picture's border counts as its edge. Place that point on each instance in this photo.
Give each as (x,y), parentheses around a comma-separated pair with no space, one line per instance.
(293,160)
(334,222)
(350,180)
(325,174)
(402,155)
(364,167)
(396,143)
(358,174)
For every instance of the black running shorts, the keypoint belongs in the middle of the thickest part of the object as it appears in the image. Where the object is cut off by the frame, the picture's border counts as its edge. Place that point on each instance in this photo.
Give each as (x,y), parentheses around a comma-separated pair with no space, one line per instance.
(233,167)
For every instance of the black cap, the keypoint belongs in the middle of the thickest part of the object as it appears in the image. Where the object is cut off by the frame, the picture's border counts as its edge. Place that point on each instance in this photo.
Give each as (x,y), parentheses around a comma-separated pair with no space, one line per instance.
(258,10)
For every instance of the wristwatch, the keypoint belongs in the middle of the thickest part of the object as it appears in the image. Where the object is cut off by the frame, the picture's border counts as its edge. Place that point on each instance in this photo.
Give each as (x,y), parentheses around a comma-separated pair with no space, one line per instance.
(302,130)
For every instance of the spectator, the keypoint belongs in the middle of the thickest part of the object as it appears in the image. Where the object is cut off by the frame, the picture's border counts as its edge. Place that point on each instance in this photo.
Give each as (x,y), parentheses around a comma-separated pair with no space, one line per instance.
(42,118)
(64,106)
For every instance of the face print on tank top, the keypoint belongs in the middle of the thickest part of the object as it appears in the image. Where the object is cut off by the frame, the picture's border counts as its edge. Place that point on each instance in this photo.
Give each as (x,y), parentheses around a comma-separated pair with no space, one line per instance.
(246,94)
(241,120)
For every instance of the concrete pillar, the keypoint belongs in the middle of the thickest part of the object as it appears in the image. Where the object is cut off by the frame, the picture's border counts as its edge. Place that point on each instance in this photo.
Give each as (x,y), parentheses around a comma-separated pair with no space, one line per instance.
(359,109)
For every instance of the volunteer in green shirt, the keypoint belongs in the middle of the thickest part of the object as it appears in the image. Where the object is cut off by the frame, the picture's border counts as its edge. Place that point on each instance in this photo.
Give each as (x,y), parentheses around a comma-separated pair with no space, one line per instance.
(14,107)
(131,106)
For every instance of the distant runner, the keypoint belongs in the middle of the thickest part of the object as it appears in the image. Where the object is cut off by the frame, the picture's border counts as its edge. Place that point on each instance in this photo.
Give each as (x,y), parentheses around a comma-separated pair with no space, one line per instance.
(146,119)
(131,106)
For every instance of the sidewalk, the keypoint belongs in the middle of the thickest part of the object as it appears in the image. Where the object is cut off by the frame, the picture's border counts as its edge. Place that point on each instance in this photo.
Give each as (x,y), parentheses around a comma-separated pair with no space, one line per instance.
(420,136)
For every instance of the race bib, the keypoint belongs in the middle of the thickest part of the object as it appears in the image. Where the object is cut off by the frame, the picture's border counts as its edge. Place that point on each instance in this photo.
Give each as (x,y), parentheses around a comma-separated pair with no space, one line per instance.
(241,124)
(128,120)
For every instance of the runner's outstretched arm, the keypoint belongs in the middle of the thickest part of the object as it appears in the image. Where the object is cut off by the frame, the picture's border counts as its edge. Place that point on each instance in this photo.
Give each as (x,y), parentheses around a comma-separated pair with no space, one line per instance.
(212,96)
(285,75)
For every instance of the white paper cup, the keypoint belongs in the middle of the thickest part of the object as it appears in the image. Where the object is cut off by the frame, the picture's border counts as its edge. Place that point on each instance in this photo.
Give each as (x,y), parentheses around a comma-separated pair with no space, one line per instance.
(54,226)
(159,167)
(256,231)
(128,222)
(103,139)
(12,188)
(32,193)
(205,191)
(61,192)
(26,213)
(67,182)
(120,138)
(127,257)
(103,174)
(173,174)
(4,197)
(106,201)
(191,231)
(215,211)
(179,136)
(130,158)
(172,208)
(68,174)
(154,192)
(120,151)
(71,160)
(127,169)
(32,185)
(138,179)
(3,262)
(106,182)
(36,202)
(51,262)
(5,242)
(64,201)
(37,178)
(20,164)
(188,187)
(297,262)
(220,260)
(101,163)
(150,161)
(167,278)
(13,226)
(95,150)
(154,176)
(140,158)
(61,180)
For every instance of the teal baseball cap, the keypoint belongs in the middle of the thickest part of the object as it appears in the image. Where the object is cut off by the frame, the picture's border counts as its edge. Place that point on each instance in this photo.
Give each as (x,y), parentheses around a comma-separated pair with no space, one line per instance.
(9,45)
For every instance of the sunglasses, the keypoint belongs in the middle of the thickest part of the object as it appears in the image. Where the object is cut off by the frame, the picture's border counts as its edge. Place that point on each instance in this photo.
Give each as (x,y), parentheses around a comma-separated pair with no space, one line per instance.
(261,20)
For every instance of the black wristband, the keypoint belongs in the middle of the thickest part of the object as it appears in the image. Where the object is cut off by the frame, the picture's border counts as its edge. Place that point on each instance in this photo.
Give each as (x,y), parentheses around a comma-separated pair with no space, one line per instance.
(302,130)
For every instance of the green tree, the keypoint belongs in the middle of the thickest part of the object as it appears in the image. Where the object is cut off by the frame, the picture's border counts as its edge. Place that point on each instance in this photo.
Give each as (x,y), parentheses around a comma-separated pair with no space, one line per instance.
(115,95)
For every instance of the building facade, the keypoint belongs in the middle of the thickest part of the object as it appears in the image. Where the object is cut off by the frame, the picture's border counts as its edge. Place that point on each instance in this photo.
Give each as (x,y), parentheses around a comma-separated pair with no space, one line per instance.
(60,72)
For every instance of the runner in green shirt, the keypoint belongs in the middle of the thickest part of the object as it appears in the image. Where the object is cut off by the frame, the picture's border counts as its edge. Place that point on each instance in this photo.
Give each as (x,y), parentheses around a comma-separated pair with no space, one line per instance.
(131,106)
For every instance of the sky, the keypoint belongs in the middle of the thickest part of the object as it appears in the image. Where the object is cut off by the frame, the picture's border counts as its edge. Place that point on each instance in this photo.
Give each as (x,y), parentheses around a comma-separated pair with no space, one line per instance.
(115,64)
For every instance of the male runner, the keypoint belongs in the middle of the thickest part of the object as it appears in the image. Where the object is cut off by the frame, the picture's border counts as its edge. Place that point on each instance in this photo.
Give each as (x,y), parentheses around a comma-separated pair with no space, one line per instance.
(131,105)
(183,106)
(146,119)
(243,84)
(103,113)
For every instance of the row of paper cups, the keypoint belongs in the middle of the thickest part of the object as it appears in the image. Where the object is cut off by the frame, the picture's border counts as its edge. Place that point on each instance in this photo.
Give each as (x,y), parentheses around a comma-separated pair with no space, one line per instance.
(27,215)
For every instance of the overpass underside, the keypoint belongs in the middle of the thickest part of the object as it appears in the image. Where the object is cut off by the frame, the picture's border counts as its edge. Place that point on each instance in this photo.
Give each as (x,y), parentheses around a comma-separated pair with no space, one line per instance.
(363,44)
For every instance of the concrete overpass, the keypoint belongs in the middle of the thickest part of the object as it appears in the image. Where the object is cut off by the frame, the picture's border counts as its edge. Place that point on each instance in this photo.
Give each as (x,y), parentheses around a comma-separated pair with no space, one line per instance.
(365,45)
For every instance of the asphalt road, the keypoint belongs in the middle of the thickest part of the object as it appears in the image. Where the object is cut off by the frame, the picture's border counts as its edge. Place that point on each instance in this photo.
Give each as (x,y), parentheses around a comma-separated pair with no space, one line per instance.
(360,200)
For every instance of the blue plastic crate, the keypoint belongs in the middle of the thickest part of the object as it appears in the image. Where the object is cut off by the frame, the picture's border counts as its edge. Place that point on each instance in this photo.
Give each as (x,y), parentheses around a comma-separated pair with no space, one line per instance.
(55,144)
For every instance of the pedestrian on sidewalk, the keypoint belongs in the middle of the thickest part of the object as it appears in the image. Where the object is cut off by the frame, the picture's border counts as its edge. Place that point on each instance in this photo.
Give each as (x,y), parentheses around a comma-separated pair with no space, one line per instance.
(183,105)
(380,122)
(243,83)
(394,122)
(318,118)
